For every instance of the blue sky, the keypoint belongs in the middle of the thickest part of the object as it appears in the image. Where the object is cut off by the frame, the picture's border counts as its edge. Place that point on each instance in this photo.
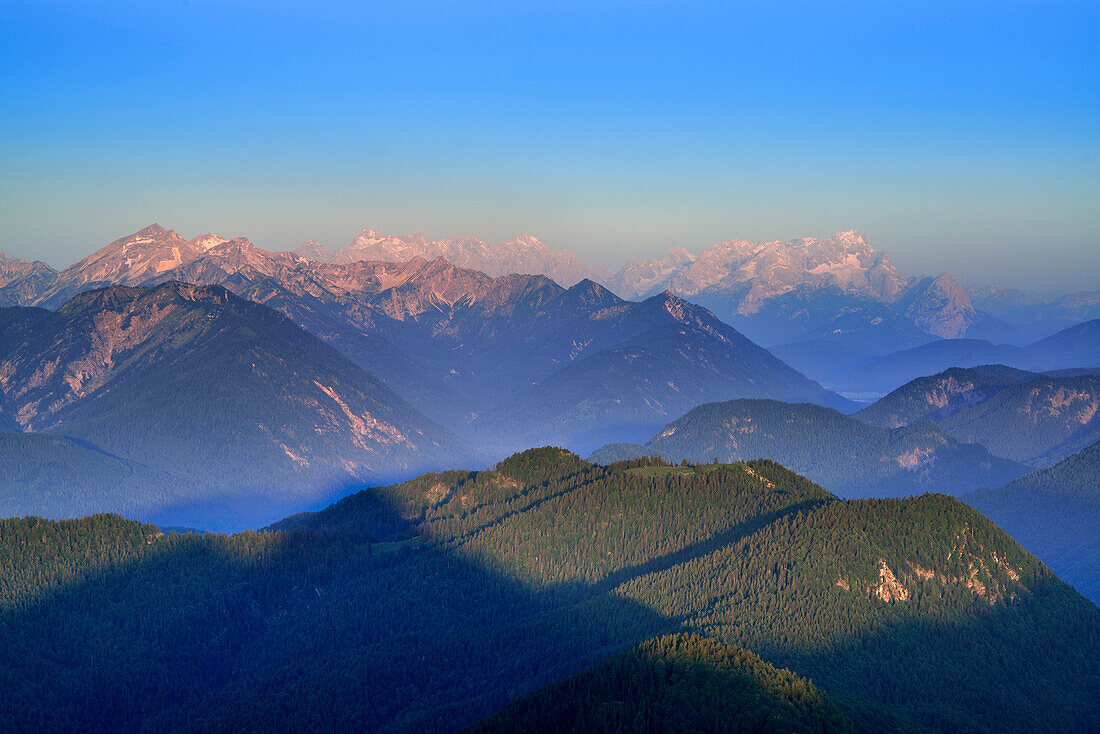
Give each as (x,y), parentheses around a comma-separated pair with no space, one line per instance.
(961,137)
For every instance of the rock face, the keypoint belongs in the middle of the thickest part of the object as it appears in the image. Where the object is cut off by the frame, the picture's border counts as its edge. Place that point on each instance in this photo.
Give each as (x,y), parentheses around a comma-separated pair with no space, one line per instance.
(888,588)
(313,250)
(939,306)
(23,281)
(524,255)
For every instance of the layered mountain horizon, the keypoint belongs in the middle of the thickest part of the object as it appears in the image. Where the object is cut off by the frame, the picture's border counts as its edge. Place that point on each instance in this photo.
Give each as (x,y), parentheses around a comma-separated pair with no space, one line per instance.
(741,275)
(831,307)
(211,384)
(487,364)
(448,364)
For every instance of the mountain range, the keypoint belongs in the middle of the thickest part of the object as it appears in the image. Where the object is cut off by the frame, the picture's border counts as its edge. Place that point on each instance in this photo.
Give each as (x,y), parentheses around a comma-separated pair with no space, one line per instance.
(238,406)
(1038,422)
(501,362)
(23,281)
(740,281)
(458,343)
(665,356)
(1037,419)
(524,255)
(1032,312)
(1075,347)
(838,290)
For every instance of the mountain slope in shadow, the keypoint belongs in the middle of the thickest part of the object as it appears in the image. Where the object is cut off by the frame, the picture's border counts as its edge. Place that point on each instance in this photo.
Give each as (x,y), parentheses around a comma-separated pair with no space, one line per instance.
(427,605)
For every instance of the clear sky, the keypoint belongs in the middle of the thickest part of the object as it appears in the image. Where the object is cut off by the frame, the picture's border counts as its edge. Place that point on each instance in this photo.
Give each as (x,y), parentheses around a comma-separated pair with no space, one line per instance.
(959,136)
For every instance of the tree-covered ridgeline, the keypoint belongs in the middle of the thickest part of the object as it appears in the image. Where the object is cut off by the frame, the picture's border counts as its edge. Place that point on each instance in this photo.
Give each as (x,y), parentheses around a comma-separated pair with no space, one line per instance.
(678,683)
(1055,513)
(427,605)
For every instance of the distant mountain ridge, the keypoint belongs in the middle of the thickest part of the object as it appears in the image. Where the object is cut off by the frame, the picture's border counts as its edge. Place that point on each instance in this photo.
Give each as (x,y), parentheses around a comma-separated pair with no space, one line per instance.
(1032,307)
(226,395)
(1033,418)
(765,270)
(458,343)
(453,340)
(522,255)
(1074,347)
(23,281)
(736,279)
(839,452)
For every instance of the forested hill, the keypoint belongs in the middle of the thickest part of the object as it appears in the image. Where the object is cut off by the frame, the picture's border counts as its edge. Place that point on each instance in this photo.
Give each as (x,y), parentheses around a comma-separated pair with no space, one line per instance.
(428,605)
(674,684)
(1055,513)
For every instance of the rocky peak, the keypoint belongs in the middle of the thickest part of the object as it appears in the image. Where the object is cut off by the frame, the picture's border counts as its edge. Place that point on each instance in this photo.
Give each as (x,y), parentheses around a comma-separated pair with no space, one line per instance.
(153,231)
(639,277)
(207,241)
(590,287)
(131,260)
(854,240)
(671,304)
(14,268)
(313,250)
(372,245)
(939,305)
(528,242)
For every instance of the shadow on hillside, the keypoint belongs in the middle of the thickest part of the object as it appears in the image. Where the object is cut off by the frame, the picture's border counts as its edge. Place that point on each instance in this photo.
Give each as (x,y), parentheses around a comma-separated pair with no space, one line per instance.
(698,550)
(289,631)
(1002,666)
(328,630)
